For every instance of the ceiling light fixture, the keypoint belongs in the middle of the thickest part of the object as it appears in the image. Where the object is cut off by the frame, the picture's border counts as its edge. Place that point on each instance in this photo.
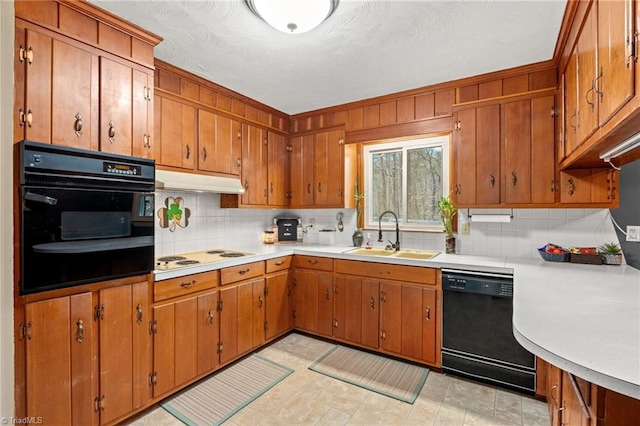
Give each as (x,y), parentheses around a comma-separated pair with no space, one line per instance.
(293,16)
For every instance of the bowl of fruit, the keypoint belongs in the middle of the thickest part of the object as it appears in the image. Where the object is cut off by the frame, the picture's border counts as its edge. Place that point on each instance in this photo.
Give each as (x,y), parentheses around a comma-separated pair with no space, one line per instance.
(554,253)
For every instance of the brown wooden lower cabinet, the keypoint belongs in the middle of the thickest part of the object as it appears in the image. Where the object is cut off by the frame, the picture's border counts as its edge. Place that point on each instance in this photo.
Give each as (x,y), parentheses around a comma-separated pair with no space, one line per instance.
(74,373)
(575,401)
(314,301)
(278,304)
(399,317)
(61,375)
(185,339)
(356,310)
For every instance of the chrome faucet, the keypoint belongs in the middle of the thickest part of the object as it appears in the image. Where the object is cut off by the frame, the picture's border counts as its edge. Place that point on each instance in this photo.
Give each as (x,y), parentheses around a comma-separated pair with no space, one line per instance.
(393,246)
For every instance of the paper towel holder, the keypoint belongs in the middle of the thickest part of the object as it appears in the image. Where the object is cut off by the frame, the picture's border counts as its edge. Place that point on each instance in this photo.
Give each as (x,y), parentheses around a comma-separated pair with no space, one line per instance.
(490,217)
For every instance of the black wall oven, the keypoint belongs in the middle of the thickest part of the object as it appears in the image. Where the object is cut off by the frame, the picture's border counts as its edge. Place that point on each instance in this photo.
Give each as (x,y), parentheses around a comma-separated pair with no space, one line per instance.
(86,216)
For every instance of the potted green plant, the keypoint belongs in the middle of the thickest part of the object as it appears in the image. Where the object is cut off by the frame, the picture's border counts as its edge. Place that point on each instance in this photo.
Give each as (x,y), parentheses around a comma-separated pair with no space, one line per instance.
(447,213)
(611,253)
(357,238)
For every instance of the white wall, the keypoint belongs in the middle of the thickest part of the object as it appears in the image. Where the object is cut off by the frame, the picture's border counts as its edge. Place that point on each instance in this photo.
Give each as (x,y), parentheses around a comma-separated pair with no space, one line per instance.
(211,227)
(6,209)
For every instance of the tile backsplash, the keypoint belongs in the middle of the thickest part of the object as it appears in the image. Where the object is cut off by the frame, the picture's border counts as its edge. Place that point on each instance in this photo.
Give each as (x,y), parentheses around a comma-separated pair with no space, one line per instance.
(210,226)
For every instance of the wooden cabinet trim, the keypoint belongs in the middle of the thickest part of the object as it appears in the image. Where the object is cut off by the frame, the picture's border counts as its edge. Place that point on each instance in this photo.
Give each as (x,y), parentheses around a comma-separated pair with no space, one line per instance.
(385,271)
(241,272)
(216,110)
(505,99)
(313,262)
(278,264)
(181,286)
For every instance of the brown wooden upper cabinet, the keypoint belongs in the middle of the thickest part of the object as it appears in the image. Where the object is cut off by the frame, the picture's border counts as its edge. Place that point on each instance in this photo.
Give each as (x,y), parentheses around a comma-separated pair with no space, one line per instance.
(101,102)
(175,132)
(317,169)
(64,113)
(503,153)
(219,143)
(600,70)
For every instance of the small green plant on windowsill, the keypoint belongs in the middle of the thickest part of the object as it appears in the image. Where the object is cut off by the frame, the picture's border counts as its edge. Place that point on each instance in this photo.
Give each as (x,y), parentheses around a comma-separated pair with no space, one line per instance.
(357,237)
(447,213)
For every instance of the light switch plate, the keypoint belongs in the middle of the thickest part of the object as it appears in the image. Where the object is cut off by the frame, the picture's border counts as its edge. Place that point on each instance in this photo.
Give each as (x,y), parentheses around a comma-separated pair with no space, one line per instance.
(465,228)
(633,233)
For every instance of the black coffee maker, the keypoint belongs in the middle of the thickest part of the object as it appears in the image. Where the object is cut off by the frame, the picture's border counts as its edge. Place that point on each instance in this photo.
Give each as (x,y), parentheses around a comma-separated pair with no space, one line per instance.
(287,229)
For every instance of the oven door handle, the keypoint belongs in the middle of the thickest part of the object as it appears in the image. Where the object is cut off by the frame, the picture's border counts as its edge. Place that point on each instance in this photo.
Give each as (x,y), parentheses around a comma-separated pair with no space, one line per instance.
(40,198)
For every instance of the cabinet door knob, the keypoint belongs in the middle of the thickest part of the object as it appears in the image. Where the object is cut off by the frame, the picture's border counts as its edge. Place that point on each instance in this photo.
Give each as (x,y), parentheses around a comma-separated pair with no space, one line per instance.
(77,125)
(112,132)
(80,331)
(29,118)
(139,314)
(572,187)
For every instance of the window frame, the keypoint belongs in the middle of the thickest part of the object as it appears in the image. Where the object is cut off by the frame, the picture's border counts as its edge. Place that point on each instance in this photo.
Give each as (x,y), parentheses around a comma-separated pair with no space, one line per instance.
(405,144)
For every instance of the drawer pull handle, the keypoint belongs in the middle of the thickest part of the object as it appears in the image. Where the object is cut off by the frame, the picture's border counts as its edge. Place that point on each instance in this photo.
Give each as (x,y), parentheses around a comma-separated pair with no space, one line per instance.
(326,293)
(280,263)
(372,302)
(427,313)
(188,284)
(139,314)
(492,180)
(243,271)
(572,187)
(260,301)
(210,318)
(313,262)
(80,331)
(77,125)
(112,132)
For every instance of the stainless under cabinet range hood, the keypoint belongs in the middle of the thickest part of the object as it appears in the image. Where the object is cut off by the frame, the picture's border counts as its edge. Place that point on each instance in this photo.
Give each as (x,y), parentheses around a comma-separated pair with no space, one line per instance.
(195,182)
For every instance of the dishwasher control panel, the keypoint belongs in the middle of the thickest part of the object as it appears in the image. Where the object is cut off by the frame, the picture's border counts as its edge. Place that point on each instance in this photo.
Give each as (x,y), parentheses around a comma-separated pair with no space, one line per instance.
(492,285)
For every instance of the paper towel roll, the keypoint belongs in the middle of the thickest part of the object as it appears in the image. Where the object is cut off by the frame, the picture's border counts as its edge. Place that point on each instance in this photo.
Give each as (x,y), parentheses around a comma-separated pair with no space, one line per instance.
(492,218)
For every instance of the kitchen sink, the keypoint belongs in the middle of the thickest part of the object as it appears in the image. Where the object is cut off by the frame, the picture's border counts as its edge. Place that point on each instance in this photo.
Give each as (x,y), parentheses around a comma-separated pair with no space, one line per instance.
(416,254)
(405,254)
(371,251)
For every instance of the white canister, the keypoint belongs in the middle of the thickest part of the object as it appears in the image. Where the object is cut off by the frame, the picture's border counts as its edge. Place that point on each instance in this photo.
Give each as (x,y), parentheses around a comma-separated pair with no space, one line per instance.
(327,237)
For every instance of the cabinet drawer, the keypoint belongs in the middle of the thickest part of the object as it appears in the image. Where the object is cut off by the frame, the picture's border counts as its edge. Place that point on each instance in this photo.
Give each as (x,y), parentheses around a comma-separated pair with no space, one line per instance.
(180,286)
(241,272)
(278,264)
(414,274)
(314,262)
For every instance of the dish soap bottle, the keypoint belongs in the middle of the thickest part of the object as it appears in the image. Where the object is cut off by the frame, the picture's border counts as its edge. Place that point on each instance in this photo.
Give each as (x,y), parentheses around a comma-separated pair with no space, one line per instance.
(368,244)
(299,231)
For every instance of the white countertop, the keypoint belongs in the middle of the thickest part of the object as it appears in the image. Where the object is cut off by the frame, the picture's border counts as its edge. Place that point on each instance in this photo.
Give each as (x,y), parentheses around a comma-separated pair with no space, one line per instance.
(584,319)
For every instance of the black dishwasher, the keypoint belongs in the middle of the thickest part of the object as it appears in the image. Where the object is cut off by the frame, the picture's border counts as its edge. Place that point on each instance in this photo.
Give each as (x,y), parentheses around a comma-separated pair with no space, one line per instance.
(477,333)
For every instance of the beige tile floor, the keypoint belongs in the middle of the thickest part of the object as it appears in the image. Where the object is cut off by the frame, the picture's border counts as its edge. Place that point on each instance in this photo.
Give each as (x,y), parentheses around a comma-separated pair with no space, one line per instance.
(309,398)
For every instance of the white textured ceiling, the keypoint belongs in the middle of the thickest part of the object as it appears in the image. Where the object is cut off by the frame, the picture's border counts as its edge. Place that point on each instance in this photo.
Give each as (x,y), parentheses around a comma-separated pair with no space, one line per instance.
(367,48)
